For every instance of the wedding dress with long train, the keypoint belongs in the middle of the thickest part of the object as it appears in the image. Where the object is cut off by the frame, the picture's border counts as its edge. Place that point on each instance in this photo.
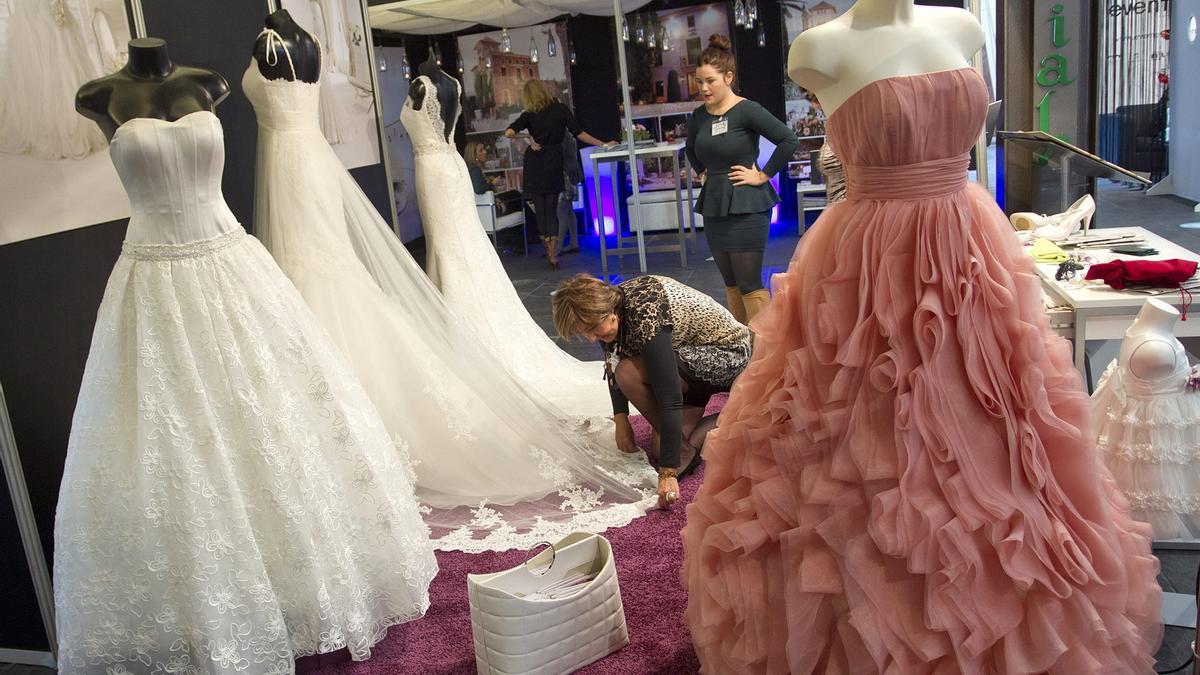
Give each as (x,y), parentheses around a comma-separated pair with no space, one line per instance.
(231,498)
(46,59)
(464,266)
(497,466)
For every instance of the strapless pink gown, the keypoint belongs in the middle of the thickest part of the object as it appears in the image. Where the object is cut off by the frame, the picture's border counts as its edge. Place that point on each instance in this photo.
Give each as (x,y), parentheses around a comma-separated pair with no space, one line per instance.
(903,480)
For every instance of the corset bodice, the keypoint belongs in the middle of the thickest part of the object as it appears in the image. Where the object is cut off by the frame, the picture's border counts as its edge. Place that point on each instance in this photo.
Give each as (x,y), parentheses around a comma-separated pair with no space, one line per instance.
(171,171)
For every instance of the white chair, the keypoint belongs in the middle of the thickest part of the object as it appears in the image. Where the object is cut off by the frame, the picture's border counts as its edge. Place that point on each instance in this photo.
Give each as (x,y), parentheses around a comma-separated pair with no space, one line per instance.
(485,205)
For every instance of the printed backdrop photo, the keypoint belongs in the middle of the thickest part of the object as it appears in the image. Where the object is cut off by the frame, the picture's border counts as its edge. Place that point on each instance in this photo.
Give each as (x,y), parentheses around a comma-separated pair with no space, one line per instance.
(55,173)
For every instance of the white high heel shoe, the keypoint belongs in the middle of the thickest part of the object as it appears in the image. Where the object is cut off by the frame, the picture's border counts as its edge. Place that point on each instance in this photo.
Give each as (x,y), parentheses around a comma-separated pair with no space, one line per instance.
(1058,226)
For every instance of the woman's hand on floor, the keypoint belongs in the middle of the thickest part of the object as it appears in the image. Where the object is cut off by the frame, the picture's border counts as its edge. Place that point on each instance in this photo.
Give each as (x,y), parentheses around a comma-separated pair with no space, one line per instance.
(668,491)
(625,440)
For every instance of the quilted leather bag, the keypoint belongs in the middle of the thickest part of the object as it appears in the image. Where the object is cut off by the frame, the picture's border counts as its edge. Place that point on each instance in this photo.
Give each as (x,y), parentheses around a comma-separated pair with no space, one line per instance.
(557,612)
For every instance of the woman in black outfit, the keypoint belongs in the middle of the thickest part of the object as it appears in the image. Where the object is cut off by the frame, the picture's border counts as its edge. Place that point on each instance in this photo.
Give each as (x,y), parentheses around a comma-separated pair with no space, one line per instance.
(546,120)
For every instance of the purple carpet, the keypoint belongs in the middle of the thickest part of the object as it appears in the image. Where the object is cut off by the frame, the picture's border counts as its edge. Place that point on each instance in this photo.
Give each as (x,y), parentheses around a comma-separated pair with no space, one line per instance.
(649,556)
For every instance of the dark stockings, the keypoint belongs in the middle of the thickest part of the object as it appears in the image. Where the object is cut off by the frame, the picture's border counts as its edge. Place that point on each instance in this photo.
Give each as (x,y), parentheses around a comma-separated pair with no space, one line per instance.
(545,206)
(634,383)
(740,268)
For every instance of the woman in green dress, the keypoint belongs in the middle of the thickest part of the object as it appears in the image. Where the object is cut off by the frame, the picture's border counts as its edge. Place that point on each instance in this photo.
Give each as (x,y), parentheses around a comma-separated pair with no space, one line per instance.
(736,199)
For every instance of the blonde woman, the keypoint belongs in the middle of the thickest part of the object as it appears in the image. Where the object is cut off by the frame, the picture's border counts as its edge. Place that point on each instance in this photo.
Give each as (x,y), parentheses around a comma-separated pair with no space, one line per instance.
(668,348)
(546,121)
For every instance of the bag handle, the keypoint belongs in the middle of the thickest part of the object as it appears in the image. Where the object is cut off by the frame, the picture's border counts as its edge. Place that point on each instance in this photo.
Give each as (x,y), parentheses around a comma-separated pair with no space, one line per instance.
(553,555)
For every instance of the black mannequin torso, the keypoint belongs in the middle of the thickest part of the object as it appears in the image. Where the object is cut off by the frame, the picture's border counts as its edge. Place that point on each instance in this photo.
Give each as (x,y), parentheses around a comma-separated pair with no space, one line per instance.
(447,93)
(149,86)
(300,45)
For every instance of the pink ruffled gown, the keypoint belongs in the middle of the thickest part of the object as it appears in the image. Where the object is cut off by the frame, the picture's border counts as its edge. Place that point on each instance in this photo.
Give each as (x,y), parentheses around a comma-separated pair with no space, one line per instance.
(904,480)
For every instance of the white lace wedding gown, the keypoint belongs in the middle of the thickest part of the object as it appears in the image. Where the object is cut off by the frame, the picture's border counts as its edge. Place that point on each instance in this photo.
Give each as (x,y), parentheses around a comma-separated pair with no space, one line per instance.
(463,264)
(46,59)
(498,467)
(231,498)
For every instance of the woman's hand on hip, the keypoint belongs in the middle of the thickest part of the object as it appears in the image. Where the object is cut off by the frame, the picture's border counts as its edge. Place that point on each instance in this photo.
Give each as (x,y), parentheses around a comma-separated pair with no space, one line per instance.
(740,175)
(537,147)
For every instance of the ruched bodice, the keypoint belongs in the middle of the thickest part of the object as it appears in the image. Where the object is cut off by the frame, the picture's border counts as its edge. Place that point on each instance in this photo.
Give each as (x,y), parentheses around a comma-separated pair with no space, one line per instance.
(171,171)
(908,137)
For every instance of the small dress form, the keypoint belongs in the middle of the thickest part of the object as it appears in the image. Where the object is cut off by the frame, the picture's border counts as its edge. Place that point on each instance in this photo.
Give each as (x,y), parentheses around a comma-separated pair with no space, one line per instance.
(1147,423)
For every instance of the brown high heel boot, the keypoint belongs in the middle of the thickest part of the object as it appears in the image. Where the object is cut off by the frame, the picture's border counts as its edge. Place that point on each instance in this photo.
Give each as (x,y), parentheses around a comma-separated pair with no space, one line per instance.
(551,250)
(733,298)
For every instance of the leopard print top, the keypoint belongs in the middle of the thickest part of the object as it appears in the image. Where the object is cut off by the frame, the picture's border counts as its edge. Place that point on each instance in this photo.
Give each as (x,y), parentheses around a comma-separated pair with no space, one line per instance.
(708,340)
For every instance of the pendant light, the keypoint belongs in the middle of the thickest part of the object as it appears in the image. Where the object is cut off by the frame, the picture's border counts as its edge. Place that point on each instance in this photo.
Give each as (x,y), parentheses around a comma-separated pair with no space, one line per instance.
(459,60)
(487,62)
(404,61)
(571,46)
(505,42)
(739,13)
(751,12)
(382,61)
(533,50)
(640,32)
(624,29)
(652,37)
(662,40)
(551,45)
(762,35)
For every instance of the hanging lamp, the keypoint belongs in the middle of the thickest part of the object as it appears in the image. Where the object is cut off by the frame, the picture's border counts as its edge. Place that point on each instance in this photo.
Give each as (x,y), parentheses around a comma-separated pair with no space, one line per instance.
(551,45)
(533,50)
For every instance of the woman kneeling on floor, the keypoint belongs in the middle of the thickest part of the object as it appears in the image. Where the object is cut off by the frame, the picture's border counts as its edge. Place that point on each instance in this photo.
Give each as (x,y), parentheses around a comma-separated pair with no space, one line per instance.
(668,348)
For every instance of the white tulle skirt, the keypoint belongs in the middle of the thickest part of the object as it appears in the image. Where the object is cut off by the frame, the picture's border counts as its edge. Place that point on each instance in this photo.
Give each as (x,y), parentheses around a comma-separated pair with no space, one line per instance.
(1152,446)
(231,499)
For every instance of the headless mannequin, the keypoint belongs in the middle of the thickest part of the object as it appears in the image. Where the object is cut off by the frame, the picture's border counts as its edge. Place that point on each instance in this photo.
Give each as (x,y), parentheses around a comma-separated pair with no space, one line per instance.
(149,86)
(879,39)
(1150,350)
(301,47)
(447,93)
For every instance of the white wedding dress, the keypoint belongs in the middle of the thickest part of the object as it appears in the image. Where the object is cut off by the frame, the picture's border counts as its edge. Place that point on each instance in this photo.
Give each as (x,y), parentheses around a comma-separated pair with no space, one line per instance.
(463,264)
(231,499)
(497,466)
(46,59)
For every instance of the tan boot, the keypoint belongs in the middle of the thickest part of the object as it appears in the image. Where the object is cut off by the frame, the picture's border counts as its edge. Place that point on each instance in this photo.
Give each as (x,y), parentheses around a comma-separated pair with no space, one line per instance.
(551,250)
(755,301)
(733,298)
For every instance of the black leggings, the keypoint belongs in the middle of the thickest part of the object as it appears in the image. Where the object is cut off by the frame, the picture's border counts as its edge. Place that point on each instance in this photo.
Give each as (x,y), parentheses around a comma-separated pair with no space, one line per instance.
(545,207)
(740,268)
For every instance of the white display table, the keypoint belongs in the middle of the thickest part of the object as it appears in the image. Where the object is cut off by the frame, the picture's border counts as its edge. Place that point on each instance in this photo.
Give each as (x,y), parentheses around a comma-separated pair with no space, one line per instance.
(620,154)
(1103,313)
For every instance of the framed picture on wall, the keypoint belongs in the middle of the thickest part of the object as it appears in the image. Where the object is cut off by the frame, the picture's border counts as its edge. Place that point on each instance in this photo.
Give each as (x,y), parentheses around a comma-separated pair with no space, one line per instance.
(348,116)
(493,79)
(663,80)
(55,174)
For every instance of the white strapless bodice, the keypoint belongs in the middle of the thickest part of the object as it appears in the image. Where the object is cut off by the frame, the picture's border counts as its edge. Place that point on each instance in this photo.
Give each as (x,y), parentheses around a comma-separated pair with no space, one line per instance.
(171,171)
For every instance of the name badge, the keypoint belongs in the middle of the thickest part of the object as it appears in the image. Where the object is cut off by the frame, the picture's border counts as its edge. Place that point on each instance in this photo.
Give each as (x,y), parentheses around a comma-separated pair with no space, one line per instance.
(719,127)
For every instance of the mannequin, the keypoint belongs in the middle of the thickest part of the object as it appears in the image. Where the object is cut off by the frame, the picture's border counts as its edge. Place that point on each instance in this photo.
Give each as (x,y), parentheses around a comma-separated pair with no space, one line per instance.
(1150,350)
(1146,418)
(301,47)
(879,39)
(149,86)
(447,92)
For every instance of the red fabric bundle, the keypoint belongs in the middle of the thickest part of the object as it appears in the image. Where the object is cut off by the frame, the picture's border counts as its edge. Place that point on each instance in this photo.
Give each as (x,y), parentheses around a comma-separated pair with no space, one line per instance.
(1163,273)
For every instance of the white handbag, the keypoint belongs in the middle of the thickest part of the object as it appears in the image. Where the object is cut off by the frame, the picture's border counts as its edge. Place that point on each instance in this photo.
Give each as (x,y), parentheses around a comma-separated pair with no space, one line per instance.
(557,612)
